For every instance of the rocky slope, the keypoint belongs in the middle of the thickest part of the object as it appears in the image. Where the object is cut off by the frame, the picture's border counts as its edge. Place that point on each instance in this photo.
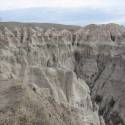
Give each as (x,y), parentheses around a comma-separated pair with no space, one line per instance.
(61,75)
(37,83)
(101,63)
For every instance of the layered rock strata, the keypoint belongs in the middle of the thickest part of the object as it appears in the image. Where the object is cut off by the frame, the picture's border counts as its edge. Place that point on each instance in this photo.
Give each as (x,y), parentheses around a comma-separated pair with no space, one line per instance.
(62,75)
(38,85)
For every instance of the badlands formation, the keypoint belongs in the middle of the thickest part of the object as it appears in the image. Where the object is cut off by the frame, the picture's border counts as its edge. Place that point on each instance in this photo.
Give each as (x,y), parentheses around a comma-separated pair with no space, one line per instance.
(62,75)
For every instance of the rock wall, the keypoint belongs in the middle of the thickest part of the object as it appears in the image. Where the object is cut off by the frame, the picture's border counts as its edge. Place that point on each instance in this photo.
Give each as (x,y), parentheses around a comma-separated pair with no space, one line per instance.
(100,62)
(38,85)
(43,68)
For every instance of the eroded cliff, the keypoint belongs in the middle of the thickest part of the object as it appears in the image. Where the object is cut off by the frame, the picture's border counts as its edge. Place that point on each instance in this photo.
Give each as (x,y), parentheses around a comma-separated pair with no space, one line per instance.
(37,79)
(48,72)
(101,63)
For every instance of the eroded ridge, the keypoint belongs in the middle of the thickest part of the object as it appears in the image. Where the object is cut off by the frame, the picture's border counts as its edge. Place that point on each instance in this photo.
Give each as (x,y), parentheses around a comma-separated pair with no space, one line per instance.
(50,73)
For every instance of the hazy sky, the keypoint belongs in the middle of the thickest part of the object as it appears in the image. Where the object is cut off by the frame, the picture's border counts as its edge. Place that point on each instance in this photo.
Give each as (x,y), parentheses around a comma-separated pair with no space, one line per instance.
(79,12)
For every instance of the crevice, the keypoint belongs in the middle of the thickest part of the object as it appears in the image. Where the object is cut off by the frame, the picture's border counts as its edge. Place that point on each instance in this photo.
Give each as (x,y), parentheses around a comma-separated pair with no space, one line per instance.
(73,39)
(112,103)
(77,56)
(113,38)
(98,99)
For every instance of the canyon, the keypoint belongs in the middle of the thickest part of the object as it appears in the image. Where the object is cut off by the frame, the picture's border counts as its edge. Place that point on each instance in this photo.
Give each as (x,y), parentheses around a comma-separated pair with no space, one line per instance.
(52,74)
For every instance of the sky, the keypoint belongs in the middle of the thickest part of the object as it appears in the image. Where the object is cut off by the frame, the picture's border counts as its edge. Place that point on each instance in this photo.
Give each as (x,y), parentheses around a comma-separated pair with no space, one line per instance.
(74,12)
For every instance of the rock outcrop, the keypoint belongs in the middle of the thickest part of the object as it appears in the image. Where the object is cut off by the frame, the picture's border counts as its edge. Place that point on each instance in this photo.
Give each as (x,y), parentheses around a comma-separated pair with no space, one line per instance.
(100,62)
(62,75)
(38,85)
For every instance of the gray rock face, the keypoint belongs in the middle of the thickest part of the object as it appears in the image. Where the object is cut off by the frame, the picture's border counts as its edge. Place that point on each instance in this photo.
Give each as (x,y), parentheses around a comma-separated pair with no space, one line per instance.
(38,85)
(100,62)
(44,70)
